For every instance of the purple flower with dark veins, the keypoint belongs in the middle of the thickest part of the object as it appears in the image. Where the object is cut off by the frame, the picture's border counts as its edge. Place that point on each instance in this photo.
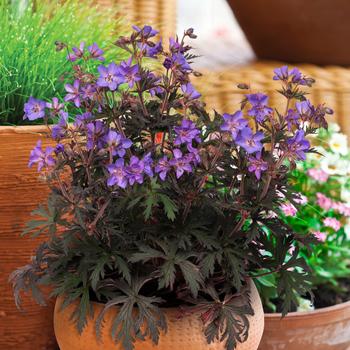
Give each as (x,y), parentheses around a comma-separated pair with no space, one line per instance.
(129,72)
(43,158)
(162,167)
(298,145)
(257,165)
(151,51)
(146,31)
(116,143)
(180,163)
(135,170)
(292,119)
(175,46)
(186,133)
(233,123)
(249,141)
(82,119)
(283,73)
(177,62)
(73,93)
(34,109)
(259,108)
(55,106)
(304,109)
(148,164)
(109,76)
(58,131)
(190,92)
(88,92)
(95,52)
(78,52)
(95,132)
(117,174)
(193,155)
(59,148)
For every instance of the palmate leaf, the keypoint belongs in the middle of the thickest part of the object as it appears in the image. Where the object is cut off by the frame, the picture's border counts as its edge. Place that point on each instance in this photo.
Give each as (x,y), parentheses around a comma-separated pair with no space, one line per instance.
(138,316)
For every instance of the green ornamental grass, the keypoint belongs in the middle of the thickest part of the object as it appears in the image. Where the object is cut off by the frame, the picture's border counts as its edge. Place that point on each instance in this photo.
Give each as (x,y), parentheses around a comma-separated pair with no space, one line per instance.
(31,63)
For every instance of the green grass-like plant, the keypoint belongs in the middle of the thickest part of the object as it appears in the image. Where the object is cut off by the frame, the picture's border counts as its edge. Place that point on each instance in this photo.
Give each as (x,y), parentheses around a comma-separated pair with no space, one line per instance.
(29,62)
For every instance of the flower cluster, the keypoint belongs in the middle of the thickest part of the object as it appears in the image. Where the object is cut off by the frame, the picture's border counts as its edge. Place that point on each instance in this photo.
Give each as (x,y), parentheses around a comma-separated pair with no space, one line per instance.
(161,192)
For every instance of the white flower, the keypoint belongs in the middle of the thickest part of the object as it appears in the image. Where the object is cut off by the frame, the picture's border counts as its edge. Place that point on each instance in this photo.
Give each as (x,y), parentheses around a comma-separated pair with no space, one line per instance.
(339,143)
(332,164)
(333,127)
(345,195)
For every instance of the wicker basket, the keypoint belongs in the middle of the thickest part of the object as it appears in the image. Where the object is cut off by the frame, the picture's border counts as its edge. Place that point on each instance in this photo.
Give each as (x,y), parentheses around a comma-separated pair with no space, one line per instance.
(219,88)
(158,13)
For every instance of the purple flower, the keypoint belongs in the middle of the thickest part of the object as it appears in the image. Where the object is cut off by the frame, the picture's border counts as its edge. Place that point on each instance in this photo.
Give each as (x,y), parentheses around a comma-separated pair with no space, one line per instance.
(259,108)
(77,52)
(180,163)
(109,76)
(59,130)
(257,165)
(34,109)
(44,159)
(186,133)
(116,143)
(249,141)
(234,123)
(175,46)
(162,167)
(129,72)
(118,174)
(154,80)
(95,52)
(177,62)
(135,170)
(82,119)
(304,108)
(283,73)
(95,133)
(148,164)
(88,92)
(73,93)
(190,92)
(193,156)
(292,118)
(146,31)
(298,145)
(55,106)
(151,51)
(59,148)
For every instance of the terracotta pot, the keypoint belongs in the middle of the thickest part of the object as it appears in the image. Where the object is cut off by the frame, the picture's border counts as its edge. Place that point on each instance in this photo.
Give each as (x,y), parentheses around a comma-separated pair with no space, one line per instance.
(323,329)
(296,30)
(20,192)
(183,334)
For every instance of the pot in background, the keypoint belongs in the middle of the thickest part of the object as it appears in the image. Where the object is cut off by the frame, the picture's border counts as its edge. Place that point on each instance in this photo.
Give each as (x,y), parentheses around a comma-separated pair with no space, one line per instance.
(298,30)
(323,329)
(20,192)
(185,333)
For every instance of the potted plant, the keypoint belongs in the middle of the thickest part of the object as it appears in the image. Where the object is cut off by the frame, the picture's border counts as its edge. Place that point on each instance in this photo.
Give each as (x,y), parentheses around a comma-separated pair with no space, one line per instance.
(324,209)
(158,214)
(30,66)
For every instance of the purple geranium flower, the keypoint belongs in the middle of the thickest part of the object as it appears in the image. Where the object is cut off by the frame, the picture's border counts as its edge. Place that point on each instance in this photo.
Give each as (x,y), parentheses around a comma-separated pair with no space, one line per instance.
(162,167)
(135,170)
(82,119)
(177,61)
(186,133)
(73,92)
(298,145)
(59,130)
(95,133)
(151,51)
(190,92)
(129,72)
(109,76)
(55,106)
(116,143)
(147,31)
(257,165)
(292,119)
(180,163)
(95,52)
(118,174)
(34,109)
(43,158)
(283,73)
(148,164)
(175,46)
(259,108)
(234,123)
(88,92)
(78,52)
(304,108)
(249,141)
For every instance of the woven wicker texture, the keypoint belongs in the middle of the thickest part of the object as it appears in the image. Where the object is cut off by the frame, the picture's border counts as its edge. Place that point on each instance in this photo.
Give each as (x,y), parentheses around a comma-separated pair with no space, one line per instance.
(183,334)
(20,193)
(219,88)
(159,13)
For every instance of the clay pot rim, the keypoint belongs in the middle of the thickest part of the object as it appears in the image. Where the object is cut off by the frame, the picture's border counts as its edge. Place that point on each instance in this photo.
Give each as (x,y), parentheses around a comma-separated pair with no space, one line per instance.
(23,129)
(307,314)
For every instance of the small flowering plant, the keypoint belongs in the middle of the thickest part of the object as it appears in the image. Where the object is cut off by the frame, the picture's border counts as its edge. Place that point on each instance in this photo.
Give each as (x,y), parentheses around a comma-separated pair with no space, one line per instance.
(323,209)
(156,203)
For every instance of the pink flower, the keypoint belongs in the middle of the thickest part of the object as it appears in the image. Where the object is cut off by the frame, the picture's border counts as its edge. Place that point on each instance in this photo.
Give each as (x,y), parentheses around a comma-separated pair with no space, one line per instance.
(332,223)
(321,236)
(301,199)
(341,208)
(288,209)
(318,175)
(323,201)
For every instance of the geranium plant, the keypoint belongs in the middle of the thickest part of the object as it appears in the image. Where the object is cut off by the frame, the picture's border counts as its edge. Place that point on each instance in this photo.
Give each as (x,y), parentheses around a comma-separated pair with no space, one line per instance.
(157,203)
(323,182)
